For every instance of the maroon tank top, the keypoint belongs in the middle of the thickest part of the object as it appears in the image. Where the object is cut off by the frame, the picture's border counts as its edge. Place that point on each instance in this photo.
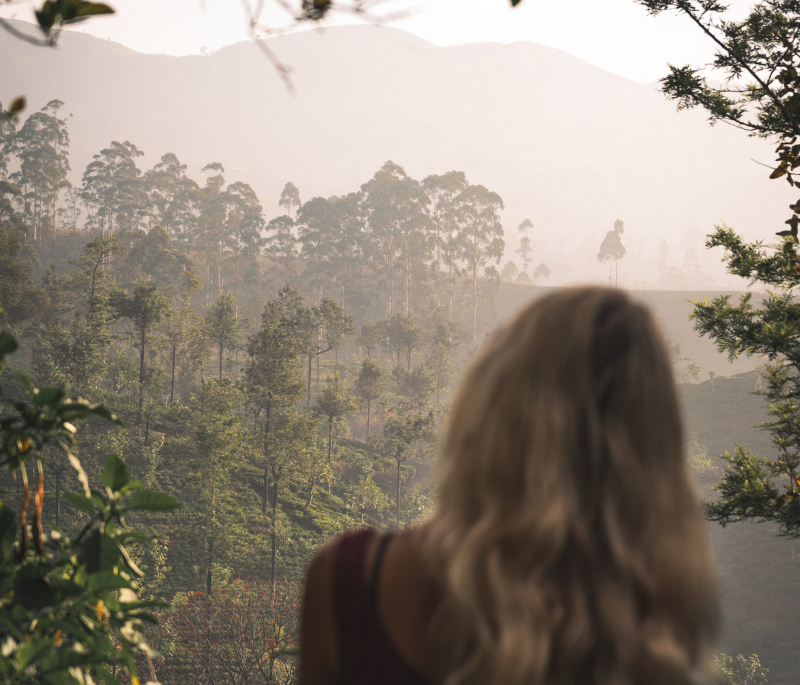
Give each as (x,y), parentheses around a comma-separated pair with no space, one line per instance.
(367,655)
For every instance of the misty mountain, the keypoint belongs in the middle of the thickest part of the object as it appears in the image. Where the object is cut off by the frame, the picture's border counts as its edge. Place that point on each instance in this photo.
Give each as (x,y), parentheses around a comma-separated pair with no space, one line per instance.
(564,143)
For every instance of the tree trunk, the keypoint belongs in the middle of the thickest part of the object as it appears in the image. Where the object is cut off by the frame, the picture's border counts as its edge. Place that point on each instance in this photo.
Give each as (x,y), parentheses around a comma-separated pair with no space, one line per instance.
(274,533)
(220,361)
(452,288)
(208,571)
(172,380)
(369,402)
(312,484)
(141,374)
(407,303)
(330,451)
(308,400)
(55,197)
(265,499)
(438,262)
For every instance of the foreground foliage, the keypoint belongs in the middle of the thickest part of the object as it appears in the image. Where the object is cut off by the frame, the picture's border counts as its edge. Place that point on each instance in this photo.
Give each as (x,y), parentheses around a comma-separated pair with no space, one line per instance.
(758,57)
(69,611)
(756,487)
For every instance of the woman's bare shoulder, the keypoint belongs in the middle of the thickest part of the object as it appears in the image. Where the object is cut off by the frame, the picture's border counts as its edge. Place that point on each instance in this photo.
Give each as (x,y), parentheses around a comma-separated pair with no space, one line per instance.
(318,657)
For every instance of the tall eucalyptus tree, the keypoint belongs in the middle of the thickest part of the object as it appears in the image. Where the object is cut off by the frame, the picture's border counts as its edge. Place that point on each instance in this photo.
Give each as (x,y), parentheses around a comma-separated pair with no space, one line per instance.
(243,239)
(394,206)
(442,225)
(272,372)
(145,307)
(481,236)
(114,189)
(290,198)
(41,148)
(163,183)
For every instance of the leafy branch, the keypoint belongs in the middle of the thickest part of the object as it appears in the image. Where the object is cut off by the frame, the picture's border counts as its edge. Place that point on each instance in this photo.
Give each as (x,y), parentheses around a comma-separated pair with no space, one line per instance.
(69,608)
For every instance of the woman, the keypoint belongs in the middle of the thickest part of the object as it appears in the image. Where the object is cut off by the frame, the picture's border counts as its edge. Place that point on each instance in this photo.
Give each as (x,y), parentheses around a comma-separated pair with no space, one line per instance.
(567,546)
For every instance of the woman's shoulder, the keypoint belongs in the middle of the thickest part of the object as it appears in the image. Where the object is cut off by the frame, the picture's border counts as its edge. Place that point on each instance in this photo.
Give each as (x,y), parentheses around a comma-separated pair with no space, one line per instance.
(319,663)
(350,559)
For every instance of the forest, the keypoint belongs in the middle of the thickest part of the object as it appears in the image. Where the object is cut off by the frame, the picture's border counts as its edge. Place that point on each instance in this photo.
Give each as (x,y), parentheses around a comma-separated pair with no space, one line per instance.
(284,380)
(196,397)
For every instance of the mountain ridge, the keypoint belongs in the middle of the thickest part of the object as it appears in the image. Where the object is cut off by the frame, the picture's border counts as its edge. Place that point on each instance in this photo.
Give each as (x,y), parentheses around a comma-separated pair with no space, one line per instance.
(565,143)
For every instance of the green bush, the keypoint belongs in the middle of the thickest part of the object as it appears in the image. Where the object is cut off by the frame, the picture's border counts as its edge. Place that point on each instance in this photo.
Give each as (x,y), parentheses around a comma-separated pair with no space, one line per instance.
(69,608)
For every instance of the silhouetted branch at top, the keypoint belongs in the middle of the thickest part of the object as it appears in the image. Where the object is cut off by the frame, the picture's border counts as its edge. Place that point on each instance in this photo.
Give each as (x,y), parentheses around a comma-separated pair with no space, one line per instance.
(300,13)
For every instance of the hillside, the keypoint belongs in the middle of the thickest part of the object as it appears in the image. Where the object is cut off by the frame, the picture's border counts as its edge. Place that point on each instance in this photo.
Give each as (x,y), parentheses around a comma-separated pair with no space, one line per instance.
(671,307)
(759,577)
(564,143)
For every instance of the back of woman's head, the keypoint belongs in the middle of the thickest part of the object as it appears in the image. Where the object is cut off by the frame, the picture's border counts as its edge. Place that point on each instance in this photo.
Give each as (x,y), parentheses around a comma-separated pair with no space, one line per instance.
(568,539)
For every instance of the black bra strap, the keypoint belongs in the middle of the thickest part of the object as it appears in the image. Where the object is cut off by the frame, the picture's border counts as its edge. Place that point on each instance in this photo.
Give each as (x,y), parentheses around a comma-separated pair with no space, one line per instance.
(372,589)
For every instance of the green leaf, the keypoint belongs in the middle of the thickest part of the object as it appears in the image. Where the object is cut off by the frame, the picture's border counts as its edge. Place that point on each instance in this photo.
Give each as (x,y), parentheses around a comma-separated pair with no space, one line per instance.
(16,106)
(45,17)
(147,500)
(50,396)
(83,503)
(514,3)
(130,486)
(8,343)
(90,8)
(106,580)
(99,552)
(27,383)
(65,658)
(60,677)
(99,500)
(115,474)
(33,593)
(33,650)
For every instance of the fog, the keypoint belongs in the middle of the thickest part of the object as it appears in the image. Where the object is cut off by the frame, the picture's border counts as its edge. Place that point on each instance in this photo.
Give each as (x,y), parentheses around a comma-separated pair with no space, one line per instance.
(374,327)
(565,144)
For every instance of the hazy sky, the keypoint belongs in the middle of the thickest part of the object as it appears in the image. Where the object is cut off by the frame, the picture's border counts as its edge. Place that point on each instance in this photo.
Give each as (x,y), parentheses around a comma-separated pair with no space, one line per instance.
(617,35)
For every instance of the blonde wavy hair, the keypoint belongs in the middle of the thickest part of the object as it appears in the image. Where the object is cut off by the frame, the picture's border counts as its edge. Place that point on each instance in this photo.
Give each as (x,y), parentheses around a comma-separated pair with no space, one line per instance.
(568,540)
